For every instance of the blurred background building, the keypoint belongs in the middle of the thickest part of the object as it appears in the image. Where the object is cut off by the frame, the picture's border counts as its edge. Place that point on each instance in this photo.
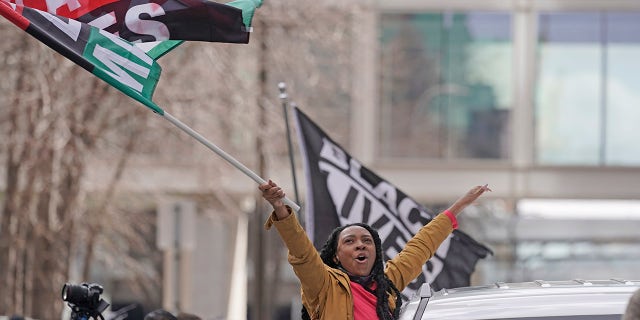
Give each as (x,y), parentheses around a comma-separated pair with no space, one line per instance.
(537,98)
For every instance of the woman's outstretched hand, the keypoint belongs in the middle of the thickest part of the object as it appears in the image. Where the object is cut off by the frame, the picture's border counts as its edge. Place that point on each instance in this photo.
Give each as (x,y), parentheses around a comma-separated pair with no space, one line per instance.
(468,198)
(274,195)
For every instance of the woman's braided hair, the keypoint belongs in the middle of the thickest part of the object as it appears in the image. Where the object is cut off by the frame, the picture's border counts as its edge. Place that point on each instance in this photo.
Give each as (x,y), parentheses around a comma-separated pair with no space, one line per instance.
(384,285)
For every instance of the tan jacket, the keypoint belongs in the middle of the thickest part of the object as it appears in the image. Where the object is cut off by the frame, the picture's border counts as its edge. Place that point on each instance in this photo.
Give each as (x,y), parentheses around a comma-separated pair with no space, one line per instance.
(326,292)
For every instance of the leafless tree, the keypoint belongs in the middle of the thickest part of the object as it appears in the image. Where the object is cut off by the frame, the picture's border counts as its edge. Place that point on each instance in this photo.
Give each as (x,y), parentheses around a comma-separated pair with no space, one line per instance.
(53,116)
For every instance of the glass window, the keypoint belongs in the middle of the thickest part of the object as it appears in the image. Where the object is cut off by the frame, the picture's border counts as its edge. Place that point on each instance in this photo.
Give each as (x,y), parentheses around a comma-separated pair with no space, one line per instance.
(587,89)
(623,89)
(445,89)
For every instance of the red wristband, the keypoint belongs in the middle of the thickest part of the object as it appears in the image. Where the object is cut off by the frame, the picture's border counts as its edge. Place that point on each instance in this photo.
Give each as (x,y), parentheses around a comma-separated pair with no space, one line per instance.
(452,217)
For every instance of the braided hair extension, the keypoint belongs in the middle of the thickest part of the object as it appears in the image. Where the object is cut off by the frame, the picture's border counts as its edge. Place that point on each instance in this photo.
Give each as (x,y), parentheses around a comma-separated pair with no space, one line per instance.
(384,285)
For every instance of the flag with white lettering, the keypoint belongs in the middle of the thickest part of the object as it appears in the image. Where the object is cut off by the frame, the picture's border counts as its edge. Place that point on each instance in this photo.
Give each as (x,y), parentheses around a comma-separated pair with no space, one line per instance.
(112,59)
(158,20)
(340,190)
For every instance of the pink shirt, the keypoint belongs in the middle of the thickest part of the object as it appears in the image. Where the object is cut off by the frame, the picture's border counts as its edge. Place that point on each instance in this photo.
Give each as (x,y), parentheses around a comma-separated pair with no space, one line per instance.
(364,302)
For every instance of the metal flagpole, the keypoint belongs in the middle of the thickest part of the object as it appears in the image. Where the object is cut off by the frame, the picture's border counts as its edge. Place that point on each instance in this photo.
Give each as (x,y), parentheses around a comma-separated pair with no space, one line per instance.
(284,97)
(224,155)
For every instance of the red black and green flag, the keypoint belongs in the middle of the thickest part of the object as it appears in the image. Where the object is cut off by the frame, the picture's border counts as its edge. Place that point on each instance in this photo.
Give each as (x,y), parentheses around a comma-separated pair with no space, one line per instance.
(158,20)
(114,60)
(130,67)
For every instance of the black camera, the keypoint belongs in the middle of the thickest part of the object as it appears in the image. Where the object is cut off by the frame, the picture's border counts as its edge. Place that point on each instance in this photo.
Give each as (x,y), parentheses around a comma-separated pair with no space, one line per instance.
(84,300)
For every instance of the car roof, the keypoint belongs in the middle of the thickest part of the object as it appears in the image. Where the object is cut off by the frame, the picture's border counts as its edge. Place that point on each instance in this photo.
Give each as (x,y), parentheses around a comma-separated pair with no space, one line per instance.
(535,299)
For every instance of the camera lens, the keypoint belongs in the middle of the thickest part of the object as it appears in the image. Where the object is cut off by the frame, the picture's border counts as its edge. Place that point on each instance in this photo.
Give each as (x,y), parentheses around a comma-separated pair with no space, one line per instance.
(75,293)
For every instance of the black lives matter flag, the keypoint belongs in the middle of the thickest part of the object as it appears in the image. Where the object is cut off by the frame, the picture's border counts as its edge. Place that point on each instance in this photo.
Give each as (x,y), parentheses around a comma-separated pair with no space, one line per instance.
(340,190)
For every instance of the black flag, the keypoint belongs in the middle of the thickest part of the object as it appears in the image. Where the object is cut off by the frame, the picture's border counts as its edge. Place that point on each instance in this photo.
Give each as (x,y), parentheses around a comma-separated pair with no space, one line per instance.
(340,190)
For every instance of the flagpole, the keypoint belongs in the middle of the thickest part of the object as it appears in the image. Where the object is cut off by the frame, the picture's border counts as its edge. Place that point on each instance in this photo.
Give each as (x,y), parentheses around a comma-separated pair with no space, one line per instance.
(283,96)
(224,155)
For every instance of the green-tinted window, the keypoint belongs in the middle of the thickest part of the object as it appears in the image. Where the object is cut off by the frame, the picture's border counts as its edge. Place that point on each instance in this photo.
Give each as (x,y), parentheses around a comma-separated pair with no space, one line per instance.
(445,85)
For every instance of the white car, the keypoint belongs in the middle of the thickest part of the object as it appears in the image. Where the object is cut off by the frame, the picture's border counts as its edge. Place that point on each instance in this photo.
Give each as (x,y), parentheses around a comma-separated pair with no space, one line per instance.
(536,300)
